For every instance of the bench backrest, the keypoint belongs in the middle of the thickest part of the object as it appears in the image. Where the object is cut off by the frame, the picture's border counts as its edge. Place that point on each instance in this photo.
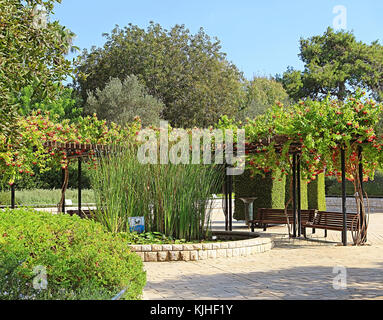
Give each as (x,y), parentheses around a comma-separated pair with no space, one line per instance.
(278,215)
(335,219)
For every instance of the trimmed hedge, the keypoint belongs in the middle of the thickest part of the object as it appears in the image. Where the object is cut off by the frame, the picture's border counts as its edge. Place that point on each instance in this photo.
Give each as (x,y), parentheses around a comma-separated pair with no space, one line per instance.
(373,188)
(79,256)
(270,193)
(304,195)
(317,194)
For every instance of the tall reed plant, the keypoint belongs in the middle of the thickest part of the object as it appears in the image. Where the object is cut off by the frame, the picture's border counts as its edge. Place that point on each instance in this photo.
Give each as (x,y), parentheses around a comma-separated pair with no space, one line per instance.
(174,199)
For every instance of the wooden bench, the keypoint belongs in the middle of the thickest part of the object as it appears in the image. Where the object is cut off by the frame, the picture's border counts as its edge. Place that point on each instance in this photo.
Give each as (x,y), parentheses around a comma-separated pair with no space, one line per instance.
(277,216)
(332,221)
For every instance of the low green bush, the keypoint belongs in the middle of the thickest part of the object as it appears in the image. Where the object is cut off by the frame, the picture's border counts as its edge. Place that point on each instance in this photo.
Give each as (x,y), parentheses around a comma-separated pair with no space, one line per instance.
(82,260)
(157,238)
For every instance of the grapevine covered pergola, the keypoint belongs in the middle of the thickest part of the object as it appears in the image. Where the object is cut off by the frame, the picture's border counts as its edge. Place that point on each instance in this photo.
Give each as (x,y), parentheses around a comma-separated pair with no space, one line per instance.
(305,139)
(295,150)
(311,138)
(40,142)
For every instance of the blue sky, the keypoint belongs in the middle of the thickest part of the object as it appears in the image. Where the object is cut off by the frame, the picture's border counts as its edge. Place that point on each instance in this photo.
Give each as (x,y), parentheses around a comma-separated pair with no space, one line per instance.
(260,37)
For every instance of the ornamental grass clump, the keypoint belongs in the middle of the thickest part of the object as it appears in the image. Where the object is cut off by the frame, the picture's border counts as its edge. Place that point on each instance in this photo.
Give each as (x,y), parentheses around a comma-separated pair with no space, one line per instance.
(174,199)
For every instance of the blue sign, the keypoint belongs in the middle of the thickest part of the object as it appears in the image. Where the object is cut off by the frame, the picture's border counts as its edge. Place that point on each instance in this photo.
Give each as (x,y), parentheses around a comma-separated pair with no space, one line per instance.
(137,224)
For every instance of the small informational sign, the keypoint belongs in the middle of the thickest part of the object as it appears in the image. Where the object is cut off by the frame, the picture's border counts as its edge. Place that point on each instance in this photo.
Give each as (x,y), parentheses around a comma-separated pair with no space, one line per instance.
(137,224)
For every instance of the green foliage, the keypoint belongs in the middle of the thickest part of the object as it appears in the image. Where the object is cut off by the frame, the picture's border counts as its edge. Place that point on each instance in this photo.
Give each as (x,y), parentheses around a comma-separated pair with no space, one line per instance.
(372,188)
(261,94)
(304,193)
(321,127)
(44,196)
(154,238)
(172,198)
(121,102)
(32,53)
(78,255)
(188,73)
(51,178)
(317,193)
(270,193)
(63,106)
(26,153)
(335,64)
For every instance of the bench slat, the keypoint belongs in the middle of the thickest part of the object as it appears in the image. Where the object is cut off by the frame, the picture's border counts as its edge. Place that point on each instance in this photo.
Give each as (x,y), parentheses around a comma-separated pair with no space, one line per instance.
(333,221)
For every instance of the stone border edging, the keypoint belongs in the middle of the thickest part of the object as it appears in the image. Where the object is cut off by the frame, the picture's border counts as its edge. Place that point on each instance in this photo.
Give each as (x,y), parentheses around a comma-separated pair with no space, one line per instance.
(203,251)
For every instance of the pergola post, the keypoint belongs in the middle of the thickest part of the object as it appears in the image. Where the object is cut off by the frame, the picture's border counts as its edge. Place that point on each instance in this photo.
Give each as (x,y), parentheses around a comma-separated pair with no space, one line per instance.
(230,202)
(79,184)
(226,208)
(344,209)
(361,217)
(13,205)
(294,194)
(228,189)
(299,193)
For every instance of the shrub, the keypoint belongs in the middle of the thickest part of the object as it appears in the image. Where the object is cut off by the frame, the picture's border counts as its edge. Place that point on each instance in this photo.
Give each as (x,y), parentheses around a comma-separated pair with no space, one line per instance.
(81,259)
(372,188)
(304,193)
(316,193)
(270,193)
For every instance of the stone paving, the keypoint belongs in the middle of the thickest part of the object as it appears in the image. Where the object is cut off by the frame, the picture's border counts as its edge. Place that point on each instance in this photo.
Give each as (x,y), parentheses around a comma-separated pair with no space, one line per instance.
(294,269)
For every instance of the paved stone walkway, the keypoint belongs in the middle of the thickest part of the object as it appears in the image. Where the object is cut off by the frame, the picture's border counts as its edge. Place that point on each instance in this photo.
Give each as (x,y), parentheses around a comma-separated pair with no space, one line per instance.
(294,269)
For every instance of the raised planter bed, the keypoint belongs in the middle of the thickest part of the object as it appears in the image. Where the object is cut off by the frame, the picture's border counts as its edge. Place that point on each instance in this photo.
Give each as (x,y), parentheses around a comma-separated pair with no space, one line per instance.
(241,244)
(231,244)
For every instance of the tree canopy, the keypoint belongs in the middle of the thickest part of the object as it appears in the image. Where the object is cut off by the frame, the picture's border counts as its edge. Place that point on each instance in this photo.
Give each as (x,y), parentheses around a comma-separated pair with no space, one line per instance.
(64,105)
(335,64)
(189,73)
(121,102)
(32,53)
(261,94)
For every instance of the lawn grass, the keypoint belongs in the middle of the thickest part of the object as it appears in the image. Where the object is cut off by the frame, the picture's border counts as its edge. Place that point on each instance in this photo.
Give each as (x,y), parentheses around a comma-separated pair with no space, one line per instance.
(45,197)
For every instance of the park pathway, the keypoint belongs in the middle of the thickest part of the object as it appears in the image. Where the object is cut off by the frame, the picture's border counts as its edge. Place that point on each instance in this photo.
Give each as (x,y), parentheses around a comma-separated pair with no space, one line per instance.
(294,269)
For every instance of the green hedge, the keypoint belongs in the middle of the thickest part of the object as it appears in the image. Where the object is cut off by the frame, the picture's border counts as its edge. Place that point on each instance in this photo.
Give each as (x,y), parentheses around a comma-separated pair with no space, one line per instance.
(317,194)
(81,259)
(270,193)
(373,188)
(304,195)
(51,179)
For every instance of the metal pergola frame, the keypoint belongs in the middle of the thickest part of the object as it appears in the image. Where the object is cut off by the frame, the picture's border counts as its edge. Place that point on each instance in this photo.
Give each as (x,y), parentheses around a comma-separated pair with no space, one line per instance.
(295,151)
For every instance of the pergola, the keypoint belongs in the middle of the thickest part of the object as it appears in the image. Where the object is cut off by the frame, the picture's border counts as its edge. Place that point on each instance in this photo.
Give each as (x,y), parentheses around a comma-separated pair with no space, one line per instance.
(73,150)
(295,150)
(80,151)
